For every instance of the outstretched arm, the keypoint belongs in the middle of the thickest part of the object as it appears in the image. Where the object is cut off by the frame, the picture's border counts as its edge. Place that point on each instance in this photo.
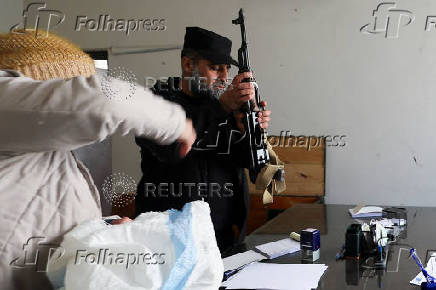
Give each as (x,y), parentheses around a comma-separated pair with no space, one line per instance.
(62,114)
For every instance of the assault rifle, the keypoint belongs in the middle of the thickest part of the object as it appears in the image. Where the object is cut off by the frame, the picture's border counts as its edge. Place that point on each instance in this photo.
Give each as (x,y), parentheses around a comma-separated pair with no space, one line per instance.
(258,151)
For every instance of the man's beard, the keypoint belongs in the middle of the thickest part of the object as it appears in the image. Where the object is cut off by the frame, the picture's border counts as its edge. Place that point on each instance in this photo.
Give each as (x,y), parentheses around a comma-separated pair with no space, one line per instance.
(199,87)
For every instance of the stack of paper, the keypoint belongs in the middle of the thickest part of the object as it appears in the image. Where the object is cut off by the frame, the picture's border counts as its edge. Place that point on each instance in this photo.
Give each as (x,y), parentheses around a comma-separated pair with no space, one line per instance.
(241,259)
(361,211)
(279,248)
(277,276)
(431,270)
(268,251)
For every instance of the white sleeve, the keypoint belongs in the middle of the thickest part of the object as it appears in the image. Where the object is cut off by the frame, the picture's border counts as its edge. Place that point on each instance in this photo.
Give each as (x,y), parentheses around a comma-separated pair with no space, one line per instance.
(67,114)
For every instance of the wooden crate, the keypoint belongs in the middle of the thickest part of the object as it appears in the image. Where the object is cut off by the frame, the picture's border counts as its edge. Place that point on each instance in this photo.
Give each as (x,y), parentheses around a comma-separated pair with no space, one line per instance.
(304,159)
(304,168)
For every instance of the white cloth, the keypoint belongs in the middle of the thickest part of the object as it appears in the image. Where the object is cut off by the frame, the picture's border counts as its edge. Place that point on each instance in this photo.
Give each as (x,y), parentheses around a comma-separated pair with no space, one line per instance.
(168,250)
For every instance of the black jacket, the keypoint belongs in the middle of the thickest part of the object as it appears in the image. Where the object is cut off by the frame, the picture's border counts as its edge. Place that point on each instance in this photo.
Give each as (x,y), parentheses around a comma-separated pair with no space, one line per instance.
(213,170)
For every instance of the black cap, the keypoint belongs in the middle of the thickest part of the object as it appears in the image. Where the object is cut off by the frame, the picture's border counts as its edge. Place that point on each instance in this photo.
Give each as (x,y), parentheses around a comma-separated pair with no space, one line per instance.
(208,44)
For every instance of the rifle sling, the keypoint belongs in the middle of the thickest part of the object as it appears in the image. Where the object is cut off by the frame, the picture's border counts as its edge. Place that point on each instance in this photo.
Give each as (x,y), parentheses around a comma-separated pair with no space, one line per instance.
(265,180)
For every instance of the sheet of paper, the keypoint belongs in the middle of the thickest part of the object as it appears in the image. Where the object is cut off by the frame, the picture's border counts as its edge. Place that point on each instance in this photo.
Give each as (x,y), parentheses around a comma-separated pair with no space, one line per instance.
(240,259)
(279,248)
(431,269)
(366,211)
(277,276)
(370,209)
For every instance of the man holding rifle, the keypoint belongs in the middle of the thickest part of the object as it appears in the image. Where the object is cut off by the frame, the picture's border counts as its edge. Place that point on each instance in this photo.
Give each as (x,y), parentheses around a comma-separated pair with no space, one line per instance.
(214,169)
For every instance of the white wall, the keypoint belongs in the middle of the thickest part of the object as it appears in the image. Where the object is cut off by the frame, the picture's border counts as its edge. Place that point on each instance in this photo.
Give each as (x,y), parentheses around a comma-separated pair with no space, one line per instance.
(10,14)
(320,75)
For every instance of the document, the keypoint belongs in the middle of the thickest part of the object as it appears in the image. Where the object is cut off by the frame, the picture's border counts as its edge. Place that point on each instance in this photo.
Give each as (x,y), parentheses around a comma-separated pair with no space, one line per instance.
(279,248)
(269,251)
(241,259)
(277,276)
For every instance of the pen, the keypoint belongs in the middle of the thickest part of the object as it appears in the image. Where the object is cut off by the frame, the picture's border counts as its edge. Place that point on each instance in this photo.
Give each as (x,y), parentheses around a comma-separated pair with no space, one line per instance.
(430,279)
(230,273)
(341,253)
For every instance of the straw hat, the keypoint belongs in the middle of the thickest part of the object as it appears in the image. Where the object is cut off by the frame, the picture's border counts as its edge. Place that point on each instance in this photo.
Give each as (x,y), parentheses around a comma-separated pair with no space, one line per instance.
(43,56)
